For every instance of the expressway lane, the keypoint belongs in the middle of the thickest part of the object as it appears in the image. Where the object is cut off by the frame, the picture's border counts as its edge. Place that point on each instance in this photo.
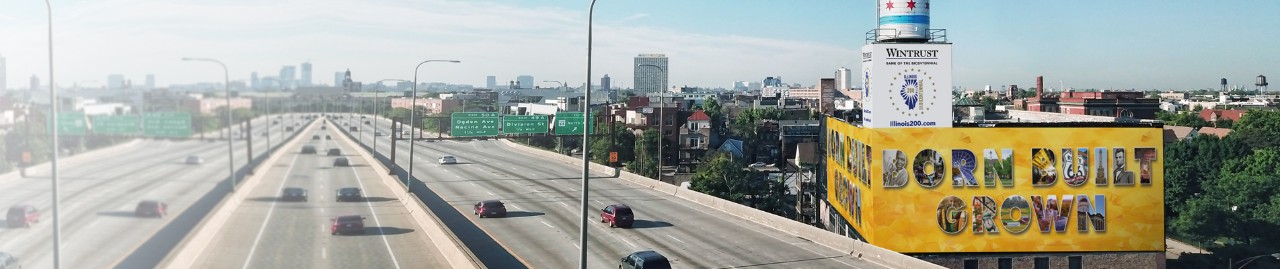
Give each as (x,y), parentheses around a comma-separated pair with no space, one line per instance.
(543,197)
(99,190)
(265,232)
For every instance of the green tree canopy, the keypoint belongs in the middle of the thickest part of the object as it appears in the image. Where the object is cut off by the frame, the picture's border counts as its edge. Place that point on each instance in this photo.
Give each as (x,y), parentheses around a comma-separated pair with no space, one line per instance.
(1259,128)
(600,147)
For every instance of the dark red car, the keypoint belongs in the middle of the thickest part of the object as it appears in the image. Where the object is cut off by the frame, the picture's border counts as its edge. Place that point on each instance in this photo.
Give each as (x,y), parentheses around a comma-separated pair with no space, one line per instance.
(618,215)
(151,208)
(22,216)
(490,208)
(348,224)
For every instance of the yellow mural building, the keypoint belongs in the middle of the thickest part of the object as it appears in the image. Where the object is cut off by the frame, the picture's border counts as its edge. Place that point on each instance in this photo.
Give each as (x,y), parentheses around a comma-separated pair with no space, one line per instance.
(1014,188)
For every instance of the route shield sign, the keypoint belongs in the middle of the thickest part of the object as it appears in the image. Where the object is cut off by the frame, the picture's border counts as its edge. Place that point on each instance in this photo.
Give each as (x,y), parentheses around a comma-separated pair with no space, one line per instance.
(569,123)
(524,124)
(166,124)
(473,124)
(72,123)
(115,125)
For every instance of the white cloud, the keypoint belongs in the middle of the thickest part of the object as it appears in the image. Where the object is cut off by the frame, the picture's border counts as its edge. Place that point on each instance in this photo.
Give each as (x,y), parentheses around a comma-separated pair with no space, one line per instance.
(385,39)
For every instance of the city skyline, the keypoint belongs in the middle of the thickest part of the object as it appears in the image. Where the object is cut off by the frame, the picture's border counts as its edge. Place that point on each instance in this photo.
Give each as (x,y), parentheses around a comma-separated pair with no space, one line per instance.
(1179,45)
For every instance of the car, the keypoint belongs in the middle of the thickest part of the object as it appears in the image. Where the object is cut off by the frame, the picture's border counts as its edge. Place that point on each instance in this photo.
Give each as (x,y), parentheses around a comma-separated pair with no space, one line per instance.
(346,224)
(308,149)
(22,216)
(151,208)
(646,259)
(322,127)
(341,162)
(315,137)
(618,215)
(758,164)
(349,194)
(293,194)
(334,152)
(446,159)
(288,129)
(8,261)
(366,122)
(327,137)
(378,134)
(489,208)
(353,129)
(194,160)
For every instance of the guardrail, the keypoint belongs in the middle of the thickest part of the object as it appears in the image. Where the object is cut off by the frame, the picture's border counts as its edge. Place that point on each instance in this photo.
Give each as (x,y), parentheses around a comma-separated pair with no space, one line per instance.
(853,247)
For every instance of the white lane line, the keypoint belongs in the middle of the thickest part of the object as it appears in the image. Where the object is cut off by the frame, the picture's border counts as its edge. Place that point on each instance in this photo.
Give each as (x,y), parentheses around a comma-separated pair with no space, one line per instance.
(324,253)
(548,224)
(377,221)
(258,238)
(473,183)
(566,205)
(515,207)
(490,193)
(677,239)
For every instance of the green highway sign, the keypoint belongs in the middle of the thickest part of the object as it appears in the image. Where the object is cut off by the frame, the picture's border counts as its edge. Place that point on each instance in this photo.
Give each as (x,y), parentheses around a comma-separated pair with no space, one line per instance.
(166,124)
(72,123)
(473,124)
(115,125)
(524,124)
(569,123)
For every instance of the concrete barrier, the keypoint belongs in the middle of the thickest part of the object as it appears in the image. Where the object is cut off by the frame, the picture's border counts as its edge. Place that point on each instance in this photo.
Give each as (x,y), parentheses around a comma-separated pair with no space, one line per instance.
(853,247)
(449,245)
(190,248)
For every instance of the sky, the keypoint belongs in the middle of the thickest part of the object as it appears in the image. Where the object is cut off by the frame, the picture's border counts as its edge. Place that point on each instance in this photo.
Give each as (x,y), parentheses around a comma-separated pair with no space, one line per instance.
(1138,44)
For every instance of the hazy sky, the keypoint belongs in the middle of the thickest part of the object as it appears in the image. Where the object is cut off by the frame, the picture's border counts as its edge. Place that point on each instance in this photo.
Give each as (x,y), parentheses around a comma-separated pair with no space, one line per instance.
(1086,44)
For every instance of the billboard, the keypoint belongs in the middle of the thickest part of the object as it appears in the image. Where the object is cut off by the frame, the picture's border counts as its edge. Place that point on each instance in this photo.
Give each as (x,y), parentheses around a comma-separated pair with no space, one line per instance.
(906,85)
(999,189)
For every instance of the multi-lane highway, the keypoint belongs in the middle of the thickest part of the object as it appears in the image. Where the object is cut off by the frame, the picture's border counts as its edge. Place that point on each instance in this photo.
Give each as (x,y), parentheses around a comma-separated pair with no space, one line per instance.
(99,191)
(268,232)
(543,197)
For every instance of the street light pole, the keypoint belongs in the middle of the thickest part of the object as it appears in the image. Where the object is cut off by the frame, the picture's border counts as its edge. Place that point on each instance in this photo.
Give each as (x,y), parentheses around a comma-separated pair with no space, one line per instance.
(375,116)
(662,101)
(53,116)
(226,87)
(413,116)
(586,154)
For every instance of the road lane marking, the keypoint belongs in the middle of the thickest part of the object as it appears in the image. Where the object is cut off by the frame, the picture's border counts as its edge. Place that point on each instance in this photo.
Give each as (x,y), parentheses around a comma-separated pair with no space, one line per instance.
(490,193)
(473,183)
(548,224)
(677,239)
(324,253)
(257,239)
(377,221)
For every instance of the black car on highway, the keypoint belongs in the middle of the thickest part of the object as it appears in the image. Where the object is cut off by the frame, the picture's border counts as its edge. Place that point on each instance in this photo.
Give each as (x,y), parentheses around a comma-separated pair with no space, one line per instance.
(341,162)
(309,149)
(293,194)
(490,208)
(151,208)
(335,152)
(349,194)
(315,137)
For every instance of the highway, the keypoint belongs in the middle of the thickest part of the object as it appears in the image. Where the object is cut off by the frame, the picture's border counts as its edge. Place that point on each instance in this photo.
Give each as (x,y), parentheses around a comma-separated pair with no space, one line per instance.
(99,190)
(265,232)
(542,229)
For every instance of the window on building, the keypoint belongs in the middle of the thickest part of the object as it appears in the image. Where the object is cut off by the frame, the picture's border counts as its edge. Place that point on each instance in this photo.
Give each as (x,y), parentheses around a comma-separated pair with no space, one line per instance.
(1042,263)
(971,264)
(1004,263)
(1075,262)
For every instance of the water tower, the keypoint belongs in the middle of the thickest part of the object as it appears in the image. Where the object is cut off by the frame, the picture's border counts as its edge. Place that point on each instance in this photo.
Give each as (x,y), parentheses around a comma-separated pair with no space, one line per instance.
(1224,84)
(906,69)
(1261,82)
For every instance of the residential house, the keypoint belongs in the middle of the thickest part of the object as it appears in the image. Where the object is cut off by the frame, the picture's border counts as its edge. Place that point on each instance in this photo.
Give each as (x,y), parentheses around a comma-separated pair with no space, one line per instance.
(695,138)
(1219,132)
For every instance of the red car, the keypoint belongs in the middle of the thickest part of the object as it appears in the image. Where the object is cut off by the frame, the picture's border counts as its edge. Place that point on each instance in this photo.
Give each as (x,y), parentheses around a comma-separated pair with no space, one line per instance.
(151,208)
(618,215)
(22,216)
(346,225)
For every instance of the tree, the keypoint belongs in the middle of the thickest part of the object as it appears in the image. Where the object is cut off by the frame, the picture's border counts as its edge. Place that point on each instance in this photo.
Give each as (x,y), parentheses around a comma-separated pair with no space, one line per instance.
(399,112)
(723,177)
(1239,204)
(600,147)
(1259,128)
(646,155)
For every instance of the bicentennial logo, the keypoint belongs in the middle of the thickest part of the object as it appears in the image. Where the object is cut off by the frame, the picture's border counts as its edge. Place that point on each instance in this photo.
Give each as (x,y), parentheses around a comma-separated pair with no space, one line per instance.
(914,87)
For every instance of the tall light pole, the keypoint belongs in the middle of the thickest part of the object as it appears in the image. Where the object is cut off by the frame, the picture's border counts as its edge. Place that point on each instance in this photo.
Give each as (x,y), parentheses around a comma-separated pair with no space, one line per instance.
(413,116)
(375,115)
(53,116)
(226,87)
(662,135)
(586,148)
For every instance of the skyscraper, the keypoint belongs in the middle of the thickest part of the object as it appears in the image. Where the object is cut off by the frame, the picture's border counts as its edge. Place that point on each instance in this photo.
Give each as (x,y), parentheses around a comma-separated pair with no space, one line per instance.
(606,83)
(35,82)
(115,82)
(649,79)
(151,81)
(490,82)
(288,77)
(337,79)
(306,75)
(525,81)
(4,83)
(254,82)
(844,78)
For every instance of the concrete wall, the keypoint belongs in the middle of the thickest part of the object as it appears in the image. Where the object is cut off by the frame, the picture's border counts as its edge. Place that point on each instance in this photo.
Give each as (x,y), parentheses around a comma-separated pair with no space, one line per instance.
(1105,260)
(822,237)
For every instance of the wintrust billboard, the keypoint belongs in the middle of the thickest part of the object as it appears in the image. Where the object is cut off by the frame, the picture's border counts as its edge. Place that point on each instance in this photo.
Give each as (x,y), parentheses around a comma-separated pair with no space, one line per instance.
(907,85)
